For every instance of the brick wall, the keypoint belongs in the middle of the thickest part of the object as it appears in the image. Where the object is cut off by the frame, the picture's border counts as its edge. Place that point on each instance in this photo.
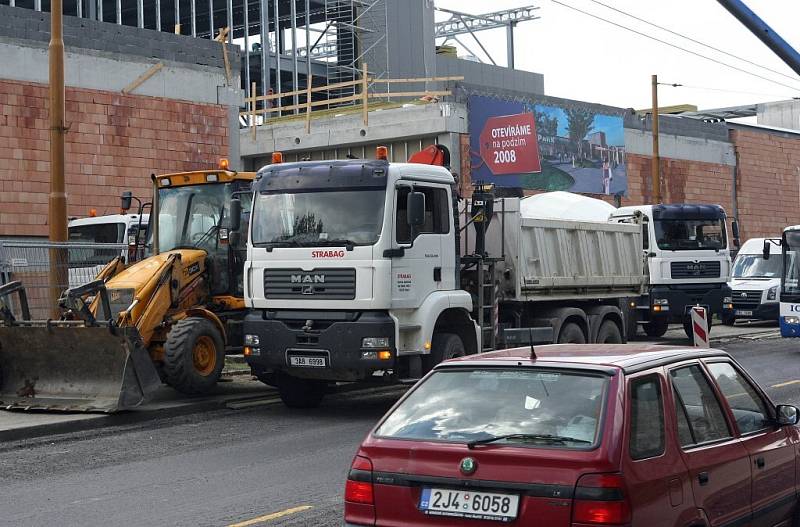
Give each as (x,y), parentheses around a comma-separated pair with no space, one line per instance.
(768,180)
(114,143)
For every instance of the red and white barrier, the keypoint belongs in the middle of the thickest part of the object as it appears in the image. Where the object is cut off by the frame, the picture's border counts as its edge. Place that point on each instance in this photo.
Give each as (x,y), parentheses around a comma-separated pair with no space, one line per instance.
(700,327)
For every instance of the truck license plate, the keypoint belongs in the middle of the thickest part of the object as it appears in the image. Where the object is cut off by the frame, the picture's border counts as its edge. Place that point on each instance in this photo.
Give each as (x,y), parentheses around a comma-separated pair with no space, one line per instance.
(743,313)
(469,504)
(308,362)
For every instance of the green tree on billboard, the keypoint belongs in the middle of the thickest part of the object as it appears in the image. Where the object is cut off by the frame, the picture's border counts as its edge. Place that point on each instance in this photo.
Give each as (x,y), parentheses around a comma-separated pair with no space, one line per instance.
(579,124)
(546,126)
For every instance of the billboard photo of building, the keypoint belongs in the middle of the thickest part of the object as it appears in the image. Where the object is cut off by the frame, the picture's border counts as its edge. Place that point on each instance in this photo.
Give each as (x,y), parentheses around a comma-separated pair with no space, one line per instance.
(547,147)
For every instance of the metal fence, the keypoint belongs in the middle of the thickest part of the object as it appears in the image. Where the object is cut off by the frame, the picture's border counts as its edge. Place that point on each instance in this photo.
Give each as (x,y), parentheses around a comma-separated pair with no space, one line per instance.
(32,263)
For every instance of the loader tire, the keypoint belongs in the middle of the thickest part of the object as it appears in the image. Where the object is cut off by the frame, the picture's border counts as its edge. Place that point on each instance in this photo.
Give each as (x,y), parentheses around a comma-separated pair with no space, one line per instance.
(194,356)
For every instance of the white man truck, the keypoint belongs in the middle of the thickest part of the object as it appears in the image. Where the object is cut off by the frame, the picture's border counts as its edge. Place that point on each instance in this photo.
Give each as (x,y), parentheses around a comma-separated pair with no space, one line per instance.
(360,270)
(687,262)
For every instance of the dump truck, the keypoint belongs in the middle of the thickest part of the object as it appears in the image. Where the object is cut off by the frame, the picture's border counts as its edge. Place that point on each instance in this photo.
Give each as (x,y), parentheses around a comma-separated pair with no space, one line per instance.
(169,318)
(365,270)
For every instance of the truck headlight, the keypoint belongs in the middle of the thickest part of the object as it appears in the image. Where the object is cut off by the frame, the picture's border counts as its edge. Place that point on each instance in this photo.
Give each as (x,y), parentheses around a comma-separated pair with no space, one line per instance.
(791,320)
(772,294)
(251,340)
(375,342)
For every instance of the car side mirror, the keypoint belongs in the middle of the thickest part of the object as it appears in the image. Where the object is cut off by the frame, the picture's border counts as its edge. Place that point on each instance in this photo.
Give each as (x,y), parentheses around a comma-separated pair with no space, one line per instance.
(235,221)
(788,415)
(415,212)
(126,200)
(766,250)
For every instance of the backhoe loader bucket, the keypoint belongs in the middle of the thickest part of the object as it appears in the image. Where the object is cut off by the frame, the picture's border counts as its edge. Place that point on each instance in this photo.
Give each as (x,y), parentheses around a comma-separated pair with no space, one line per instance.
(73,368)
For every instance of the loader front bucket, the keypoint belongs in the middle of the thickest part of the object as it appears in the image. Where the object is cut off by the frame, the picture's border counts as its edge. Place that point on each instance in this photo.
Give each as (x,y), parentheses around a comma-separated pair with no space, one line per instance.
(74,368)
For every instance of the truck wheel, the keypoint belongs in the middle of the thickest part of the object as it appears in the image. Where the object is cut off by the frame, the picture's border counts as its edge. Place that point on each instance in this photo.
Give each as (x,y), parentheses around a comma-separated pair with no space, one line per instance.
(300,393)
(194,355)
(571,333)
(687,327)
(609,333)
(656,327)
(444,346)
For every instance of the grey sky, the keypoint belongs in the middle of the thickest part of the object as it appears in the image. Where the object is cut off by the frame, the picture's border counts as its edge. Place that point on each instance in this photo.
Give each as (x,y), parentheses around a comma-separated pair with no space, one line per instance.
(587,59)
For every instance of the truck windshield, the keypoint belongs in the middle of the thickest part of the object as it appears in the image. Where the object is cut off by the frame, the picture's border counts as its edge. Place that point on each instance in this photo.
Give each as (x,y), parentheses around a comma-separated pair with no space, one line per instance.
(319,218)
(536,407)
(755,266)
(791,265)
(97,233)
(690,235)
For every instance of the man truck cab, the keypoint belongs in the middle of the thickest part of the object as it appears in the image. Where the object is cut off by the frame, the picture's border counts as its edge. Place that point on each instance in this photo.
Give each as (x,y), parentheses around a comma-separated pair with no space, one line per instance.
(687,262)
(755,281)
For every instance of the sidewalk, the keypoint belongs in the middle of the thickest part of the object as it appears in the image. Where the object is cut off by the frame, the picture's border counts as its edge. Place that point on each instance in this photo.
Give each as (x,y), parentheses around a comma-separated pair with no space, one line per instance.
(15,425)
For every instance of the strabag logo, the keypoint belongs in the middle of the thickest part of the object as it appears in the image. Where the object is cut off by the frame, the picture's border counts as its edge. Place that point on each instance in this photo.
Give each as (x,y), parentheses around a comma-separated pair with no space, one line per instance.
(328,254)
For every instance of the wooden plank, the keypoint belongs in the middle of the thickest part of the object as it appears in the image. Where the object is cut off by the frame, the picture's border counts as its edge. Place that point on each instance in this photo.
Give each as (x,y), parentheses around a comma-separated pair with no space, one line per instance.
(302,106)
(253,110)
(221,38)
(421,79)
(309,83)
(222,35)
(365,95)
(410,94)
(152,70)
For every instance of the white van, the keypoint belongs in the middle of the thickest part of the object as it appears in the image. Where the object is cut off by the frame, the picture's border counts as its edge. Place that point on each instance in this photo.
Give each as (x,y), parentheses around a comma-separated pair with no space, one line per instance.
(127,231)
(755,282)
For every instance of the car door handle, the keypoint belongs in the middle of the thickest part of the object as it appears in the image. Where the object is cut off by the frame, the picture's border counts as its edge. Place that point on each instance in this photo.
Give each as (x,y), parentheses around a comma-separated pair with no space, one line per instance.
(702,478)
(760,463)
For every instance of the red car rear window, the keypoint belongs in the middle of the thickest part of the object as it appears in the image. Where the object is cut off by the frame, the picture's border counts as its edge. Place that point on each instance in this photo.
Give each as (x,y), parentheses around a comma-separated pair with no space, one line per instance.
(544,407)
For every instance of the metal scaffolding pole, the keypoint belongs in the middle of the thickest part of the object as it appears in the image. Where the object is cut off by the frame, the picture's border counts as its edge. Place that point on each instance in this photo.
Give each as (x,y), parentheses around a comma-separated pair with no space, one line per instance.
(295,81)
(193,13)
(247,92)
(119,12)
(229,12)
(80,8)
(510,44)
(308,42)
(263,11)
(37,5)
(139,13)
(278,45)
(177,16)
(211,19)
(158,15)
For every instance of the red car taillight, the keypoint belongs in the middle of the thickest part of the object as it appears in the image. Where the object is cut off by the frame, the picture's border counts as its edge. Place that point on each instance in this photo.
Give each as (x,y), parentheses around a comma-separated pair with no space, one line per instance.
(359,495)
(359,482)
(600,499)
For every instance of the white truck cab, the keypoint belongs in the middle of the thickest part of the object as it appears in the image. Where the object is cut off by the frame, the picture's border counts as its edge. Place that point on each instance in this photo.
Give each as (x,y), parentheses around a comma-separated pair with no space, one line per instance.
(755,282)
(687,262)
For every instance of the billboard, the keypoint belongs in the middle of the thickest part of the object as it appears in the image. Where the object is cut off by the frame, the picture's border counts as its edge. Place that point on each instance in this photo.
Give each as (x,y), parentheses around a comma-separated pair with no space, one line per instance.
(546,146)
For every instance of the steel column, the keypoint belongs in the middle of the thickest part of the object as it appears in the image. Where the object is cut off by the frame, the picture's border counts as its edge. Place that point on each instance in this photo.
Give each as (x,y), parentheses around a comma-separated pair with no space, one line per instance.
(139,14)
(263,11)
(278,52)
(193,13)
(100,10)
(158,15)
(295,81)
(211,19)
(37,5)
(510,44)
(308,42)
(119,12)
(177,15)
(79,7)
(229,12)
(247,49)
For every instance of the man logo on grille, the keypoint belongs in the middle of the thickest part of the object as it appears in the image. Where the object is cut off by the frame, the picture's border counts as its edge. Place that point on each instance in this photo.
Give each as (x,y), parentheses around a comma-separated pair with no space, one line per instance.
(308,279)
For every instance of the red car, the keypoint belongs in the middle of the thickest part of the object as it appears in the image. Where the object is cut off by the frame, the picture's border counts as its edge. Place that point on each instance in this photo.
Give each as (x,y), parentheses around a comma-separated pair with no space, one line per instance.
(581,435)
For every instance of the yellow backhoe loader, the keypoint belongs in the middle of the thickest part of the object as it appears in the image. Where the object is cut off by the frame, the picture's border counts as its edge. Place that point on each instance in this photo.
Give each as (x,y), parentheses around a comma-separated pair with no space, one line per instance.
(168,318)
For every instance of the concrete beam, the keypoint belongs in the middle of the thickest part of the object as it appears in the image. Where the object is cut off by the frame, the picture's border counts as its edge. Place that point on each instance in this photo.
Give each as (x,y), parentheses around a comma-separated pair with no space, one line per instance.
(348,130)
(680,147)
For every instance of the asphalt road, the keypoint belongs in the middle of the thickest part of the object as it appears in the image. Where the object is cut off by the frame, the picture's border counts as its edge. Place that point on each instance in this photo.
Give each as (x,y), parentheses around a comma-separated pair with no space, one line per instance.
(261,466)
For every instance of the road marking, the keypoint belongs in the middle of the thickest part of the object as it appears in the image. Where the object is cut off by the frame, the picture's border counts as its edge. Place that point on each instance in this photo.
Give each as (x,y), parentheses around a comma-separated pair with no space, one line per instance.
(273,516)
(787,383)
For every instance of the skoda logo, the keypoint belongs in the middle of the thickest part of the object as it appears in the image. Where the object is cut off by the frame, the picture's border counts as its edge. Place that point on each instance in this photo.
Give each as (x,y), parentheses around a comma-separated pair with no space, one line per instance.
(468,466)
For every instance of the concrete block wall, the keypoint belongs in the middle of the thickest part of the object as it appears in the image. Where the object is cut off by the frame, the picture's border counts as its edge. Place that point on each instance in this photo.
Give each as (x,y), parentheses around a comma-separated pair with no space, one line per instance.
(114,143)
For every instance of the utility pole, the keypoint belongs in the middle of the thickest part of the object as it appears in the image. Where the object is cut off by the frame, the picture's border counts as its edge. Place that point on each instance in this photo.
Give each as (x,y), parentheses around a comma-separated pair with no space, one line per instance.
(57,213)
(656,161)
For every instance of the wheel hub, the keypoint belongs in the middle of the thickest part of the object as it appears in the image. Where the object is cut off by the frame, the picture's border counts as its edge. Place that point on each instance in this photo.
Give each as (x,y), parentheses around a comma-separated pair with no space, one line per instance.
(204,355)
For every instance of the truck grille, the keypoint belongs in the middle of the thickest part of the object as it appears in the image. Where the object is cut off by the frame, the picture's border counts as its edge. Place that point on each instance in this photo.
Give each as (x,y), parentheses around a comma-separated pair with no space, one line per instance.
(695,269)
(317,284)
(746,299)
